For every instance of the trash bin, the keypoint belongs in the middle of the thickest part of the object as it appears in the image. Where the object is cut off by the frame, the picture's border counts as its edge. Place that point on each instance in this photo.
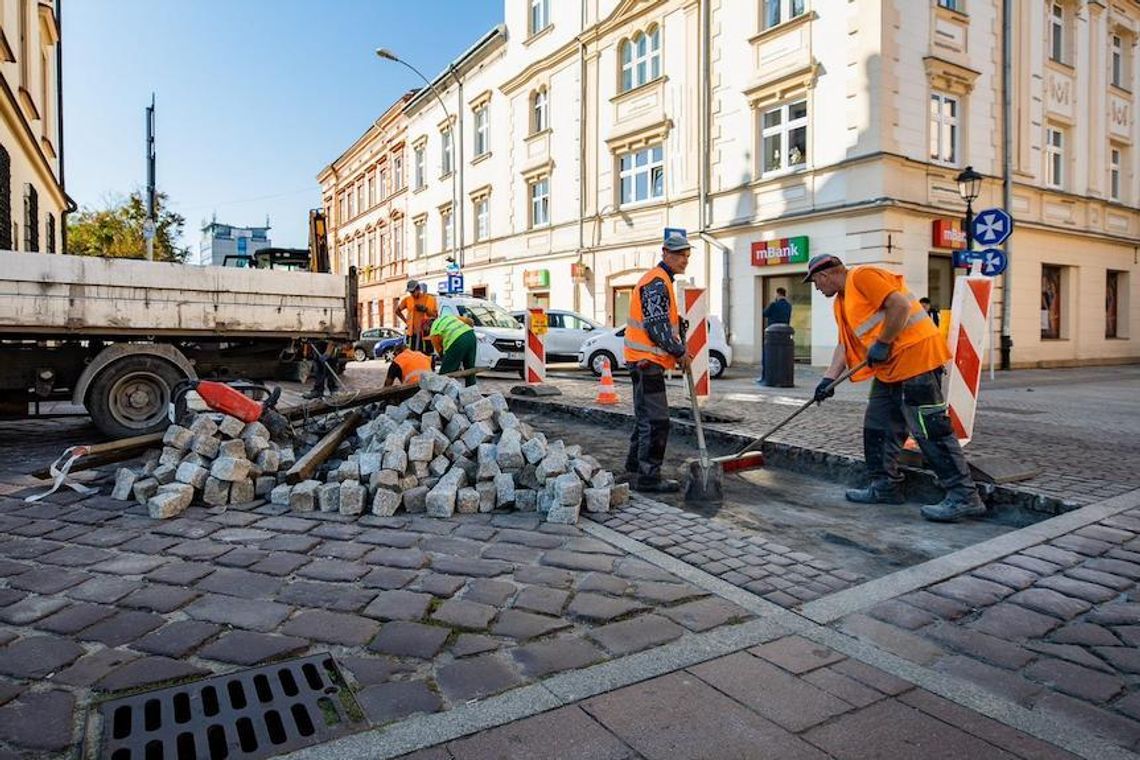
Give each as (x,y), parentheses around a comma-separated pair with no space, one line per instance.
(779,356)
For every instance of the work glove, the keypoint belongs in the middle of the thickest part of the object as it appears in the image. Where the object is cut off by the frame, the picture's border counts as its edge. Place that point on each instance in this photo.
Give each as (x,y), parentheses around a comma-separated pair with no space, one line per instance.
(824,391)
(878,353)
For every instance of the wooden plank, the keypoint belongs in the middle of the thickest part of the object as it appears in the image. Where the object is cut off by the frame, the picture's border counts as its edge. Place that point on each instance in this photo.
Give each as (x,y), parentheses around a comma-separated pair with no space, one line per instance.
(308,464)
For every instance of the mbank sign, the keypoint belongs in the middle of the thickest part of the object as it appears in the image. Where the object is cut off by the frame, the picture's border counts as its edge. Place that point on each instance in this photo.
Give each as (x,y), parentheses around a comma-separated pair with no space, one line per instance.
(768,253)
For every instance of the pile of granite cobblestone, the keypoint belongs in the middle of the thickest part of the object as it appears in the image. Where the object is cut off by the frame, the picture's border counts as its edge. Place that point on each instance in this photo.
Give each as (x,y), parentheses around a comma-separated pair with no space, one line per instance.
(446,449)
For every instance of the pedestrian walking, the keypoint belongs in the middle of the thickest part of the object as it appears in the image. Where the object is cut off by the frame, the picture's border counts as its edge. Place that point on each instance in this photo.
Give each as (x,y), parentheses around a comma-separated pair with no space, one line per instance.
(417,310)
(407,366)
(653,345)
(932,310)
(881,321)
(454,340)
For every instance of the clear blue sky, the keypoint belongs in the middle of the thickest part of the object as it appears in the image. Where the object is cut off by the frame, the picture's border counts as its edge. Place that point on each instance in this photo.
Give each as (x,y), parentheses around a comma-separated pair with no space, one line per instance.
(254,96)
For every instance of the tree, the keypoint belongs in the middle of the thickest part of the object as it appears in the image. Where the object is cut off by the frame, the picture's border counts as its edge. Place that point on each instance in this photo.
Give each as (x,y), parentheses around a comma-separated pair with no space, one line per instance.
(117,230)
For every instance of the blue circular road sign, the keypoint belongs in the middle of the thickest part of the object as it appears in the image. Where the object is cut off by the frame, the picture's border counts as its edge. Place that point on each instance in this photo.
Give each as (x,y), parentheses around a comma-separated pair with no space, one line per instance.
(994,261)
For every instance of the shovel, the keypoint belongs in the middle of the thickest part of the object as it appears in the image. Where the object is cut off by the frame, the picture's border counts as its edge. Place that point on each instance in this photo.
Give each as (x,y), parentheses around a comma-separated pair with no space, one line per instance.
(703,478)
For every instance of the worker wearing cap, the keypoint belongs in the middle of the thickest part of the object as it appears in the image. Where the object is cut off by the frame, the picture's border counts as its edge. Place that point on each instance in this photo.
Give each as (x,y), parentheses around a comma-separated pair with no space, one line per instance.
(407,366)
(455,341)
(653,345)
(881,321)
(417,310)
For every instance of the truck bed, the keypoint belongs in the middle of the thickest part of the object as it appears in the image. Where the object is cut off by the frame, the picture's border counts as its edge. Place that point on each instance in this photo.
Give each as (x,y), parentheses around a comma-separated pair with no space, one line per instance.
(50,294)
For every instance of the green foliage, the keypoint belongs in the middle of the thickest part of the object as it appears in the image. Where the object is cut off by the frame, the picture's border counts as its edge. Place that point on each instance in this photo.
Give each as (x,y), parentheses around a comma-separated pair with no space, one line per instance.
(117,230)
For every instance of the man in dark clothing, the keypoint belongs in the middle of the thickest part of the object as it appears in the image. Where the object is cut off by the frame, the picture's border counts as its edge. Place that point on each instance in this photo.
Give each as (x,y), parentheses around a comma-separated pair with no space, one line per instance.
(779,312)
(323,354)
(929,308)
(653,345)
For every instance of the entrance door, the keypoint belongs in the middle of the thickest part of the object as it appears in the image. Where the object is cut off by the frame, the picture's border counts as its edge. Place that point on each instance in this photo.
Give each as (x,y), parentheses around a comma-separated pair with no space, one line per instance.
(620,310)
(799,293)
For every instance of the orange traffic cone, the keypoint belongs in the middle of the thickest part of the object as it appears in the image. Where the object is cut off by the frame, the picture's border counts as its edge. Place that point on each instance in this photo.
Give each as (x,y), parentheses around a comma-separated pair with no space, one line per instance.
(607,396)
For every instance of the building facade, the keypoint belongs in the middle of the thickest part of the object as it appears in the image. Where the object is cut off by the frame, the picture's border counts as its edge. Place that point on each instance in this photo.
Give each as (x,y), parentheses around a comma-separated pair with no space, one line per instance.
(220,241)
(33,203)
(574,134)
(365,196)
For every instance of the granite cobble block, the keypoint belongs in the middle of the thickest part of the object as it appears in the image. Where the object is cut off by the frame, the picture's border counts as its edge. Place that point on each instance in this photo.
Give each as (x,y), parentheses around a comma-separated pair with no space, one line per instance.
(39,721)
(36,656)
(252,614)
(1051,603)
(544,576)
(333,570)
(159,598)
(484,568)
(635,634)
(542,658)
(177,639)
(399,605)
(248,649)
(331,627)
(122,628)
(395,700)
(1076,680)
(409,639)
(468,615)
(475,678)
(523,626)
(548,601)
(705,614)
(975,592)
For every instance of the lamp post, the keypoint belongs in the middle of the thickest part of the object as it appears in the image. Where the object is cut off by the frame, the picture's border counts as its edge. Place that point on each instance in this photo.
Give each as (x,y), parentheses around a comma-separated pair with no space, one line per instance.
(388,55)
(969,187)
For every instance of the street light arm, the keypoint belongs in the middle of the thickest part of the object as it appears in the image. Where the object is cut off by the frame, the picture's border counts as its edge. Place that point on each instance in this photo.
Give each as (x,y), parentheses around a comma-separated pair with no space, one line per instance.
(383,53)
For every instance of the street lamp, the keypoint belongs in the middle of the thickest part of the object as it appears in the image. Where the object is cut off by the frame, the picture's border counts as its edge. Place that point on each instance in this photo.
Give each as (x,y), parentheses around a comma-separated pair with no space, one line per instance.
(388,55)
(969,187)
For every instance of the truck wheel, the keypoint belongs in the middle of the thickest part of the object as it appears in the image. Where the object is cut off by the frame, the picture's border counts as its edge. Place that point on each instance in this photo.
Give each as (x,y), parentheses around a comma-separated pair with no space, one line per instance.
(131,396)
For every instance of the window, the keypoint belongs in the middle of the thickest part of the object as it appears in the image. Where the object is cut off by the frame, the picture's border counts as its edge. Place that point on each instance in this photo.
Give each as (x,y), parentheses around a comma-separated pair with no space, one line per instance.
(445,217)
(1114,174)
(31,218)
(1051,282)
(397,173)
(640,59)
(1054,157)
(1057,33)
(943,128)
(482,131)
(49,229)
(398,241)
(6,237)
(482,218)
(540,202)
(539,15)
(1112,292)
(1117,74)
(384,183)
(371,190)
(360,197)
(421,237)
(951,4)
(343,207)
(540,115)
(420,167)
(784,138)
(445,153)
(351,204)
(642,175)
(776,12)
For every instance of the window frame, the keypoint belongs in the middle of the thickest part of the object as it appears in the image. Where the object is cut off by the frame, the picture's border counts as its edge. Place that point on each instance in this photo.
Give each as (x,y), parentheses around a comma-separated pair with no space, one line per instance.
(786,10)
(540,111)
(784,129)
(539,202)
(1054,158)
(398,173)
(371,189)
(446,215)
(419,167)
(632,59)
(482,131)
(420,232)
(939,121)
(446,152)
(1057,22)
(1117,71)
(482,217)
(1115,162)
(538,17)
(653,169)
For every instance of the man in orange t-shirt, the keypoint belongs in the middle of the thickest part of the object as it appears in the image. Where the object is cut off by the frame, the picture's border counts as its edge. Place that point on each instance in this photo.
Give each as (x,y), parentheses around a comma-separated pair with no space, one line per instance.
(881,321)
(417,310)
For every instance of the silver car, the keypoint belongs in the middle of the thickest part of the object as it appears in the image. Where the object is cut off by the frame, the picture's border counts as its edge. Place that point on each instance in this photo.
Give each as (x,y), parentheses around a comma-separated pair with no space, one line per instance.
(568,331)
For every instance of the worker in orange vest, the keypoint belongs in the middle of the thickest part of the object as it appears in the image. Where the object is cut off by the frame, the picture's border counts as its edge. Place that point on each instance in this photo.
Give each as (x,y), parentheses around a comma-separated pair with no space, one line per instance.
(881,321)
(417,310)
(408,365)
(653,345)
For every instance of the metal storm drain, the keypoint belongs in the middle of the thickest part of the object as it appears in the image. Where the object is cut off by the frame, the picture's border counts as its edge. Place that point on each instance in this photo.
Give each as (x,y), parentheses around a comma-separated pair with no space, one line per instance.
(253,713)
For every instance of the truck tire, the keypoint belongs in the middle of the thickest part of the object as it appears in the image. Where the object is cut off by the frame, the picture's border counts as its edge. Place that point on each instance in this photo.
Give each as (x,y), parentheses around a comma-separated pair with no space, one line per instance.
(131,396)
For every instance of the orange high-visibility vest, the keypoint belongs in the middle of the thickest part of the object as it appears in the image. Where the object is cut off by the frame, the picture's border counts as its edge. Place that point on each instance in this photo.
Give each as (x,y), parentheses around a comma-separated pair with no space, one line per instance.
(419,322)
(638,345)
(412,364)
(861,322)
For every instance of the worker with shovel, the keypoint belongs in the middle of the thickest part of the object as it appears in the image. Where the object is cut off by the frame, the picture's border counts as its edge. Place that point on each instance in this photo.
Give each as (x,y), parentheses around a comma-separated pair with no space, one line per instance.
(881,322)
(653,345)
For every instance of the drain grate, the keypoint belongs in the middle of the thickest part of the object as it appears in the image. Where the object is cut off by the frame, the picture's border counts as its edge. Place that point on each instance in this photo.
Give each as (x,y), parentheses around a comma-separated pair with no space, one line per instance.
(249,714)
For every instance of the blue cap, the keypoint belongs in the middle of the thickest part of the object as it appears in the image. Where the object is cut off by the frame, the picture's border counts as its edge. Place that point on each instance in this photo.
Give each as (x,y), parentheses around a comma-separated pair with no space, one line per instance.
(821,262)
(676,243)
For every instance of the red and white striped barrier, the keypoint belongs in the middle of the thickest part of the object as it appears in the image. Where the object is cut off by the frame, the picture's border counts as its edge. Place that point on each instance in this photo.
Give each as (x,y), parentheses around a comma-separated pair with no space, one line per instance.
(969,331)
(534,360)
(695,303)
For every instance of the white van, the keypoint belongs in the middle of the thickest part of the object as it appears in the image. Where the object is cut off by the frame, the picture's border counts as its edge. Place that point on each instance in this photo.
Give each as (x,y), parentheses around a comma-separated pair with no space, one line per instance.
(501,340)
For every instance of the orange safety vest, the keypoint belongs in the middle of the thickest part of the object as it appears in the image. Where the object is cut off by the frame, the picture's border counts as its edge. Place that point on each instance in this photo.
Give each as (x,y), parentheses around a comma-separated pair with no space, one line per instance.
(412,364)
(419,322)
(861,322)
(638,345)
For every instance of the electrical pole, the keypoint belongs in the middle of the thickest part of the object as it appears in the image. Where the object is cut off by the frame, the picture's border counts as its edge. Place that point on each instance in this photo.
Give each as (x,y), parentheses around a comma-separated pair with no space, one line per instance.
(149,226)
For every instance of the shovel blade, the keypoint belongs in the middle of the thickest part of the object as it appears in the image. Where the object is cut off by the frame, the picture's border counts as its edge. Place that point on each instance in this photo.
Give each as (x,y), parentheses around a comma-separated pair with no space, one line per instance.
(703,484)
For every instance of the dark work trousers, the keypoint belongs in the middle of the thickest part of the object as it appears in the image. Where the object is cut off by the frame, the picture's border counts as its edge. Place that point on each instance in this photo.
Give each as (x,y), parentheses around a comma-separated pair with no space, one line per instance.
(461,355)
(650,422)
(322,377)
(913,406)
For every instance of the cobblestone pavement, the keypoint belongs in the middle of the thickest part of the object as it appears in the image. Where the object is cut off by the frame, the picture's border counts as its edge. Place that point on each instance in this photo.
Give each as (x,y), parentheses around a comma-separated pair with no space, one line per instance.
(424,614)
(1037,417)
(1055,626)
(815,703)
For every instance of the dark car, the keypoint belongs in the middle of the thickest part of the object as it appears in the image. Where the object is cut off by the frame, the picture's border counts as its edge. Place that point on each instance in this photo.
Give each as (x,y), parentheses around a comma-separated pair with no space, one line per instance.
(362,349)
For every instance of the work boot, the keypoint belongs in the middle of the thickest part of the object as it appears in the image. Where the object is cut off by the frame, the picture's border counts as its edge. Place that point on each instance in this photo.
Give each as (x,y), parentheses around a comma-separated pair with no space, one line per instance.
(656,485)
(313,394)
(625,477)
(955,506)
(879,492)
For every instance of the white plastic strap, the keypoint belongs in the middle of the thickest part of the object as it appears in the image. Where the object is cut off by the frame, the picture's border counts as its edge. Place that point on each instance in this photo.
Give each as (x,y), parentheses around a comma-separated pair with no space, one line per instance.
(60,473)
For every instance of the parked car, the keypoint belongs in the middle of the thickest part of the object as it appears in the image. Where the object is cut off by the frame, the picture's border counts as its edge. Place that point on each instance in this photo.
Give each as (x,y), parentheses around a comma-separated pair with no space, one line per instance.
(568,330)
(363,348)
(385,348)
(609,345)
(501,340)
